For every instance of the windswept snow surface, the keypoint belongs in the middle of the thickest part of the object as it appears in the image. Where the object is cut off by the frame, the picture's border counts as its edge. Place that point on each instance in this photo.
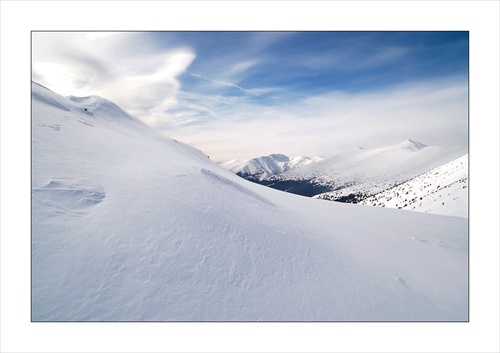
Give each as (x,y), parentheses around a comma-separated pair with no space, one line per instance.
(130,225)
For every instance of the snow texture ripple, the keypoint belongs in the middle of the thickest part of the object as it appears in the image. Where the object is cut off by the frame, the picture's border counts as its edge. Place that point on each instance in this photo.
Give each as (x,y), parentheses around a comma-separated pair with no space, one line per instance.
(130,225)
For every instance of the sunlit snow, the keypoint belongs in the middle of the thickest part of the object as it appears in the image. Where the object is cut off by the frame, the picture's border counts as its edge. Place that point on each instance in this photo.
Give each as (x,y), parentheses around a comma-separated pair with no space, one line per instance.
(130,225)
(441,190)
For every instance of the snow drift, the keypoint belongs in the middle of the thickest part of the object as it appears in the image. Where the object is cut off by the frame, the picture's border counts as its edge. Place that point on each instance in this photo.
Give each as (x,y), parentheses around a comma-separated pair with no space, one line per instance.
(130,225)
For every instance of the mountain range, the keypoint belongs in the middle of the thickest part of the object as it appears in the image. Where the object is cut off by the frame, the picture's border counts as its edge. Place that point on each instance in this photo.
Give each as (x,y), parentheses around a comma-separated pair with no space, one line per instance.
(131,225)
(359,174)
(264,167)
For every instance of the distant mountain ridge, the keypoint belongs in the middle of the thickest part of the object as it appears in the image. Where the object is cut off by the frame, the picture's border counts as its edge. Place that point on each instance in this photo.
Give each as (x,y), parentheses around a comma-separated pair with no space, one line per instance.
(412,145)
(263,167)
(354,175)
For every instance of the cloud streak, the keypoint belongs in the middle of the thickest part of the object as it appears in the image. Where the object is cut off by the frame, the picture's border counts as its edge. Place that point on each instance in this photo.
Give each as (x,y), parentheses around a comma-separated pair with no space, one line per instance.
(225,84)
(434,113)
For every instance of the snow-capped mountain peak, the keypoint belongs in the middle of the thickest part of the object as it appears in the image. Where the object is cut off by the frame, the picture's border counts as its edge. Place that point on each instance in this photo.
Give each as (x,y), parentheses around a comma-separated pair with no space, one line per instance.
(265,166)
(350,176)
(279,157)
(412,145)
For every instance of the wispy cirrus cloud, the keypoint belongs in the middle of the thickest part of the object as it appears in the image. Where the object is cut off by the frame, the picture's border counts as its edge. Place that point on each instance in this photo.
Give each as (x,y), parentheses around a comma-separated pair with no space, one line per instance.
(228,84)
(434,113)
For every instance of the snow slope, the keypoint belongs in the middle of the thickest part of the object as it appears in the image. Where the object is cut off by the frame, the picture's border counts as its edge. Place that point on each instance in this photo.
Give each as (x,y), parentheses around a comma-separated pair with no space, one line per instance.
(130,225)
(363,172)
(442,190)
(263,167)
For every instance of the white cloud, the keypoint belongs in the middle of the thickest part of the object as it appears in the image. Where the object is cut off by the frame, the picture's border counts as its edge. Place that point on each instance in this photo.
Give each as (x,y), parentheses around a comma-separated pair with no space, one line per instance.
(434,113)
(126,68)
(224,83)
(241,67)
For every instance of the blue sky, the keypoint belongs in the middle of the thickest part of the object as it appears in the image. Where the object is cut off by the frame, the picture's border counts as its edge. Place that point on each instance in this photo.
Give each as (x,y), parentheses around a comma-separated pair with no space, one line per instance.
(246,94)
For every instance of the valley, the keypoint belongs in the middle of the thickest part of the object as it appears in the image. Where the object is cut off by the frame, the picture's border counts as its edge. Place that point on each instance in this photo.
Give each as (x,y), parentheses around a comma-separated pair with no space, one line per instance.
(359,175)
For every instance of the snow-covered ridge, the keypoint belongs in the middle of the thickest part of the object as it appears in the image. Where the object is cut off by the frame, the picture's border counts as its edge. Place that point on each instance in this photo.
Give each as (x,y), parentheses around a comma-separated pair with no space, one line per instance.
(99,105)
(403,160)
(412,145)
(351,176)
(357,175)
(263,167)
(442,190)
(131,225)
